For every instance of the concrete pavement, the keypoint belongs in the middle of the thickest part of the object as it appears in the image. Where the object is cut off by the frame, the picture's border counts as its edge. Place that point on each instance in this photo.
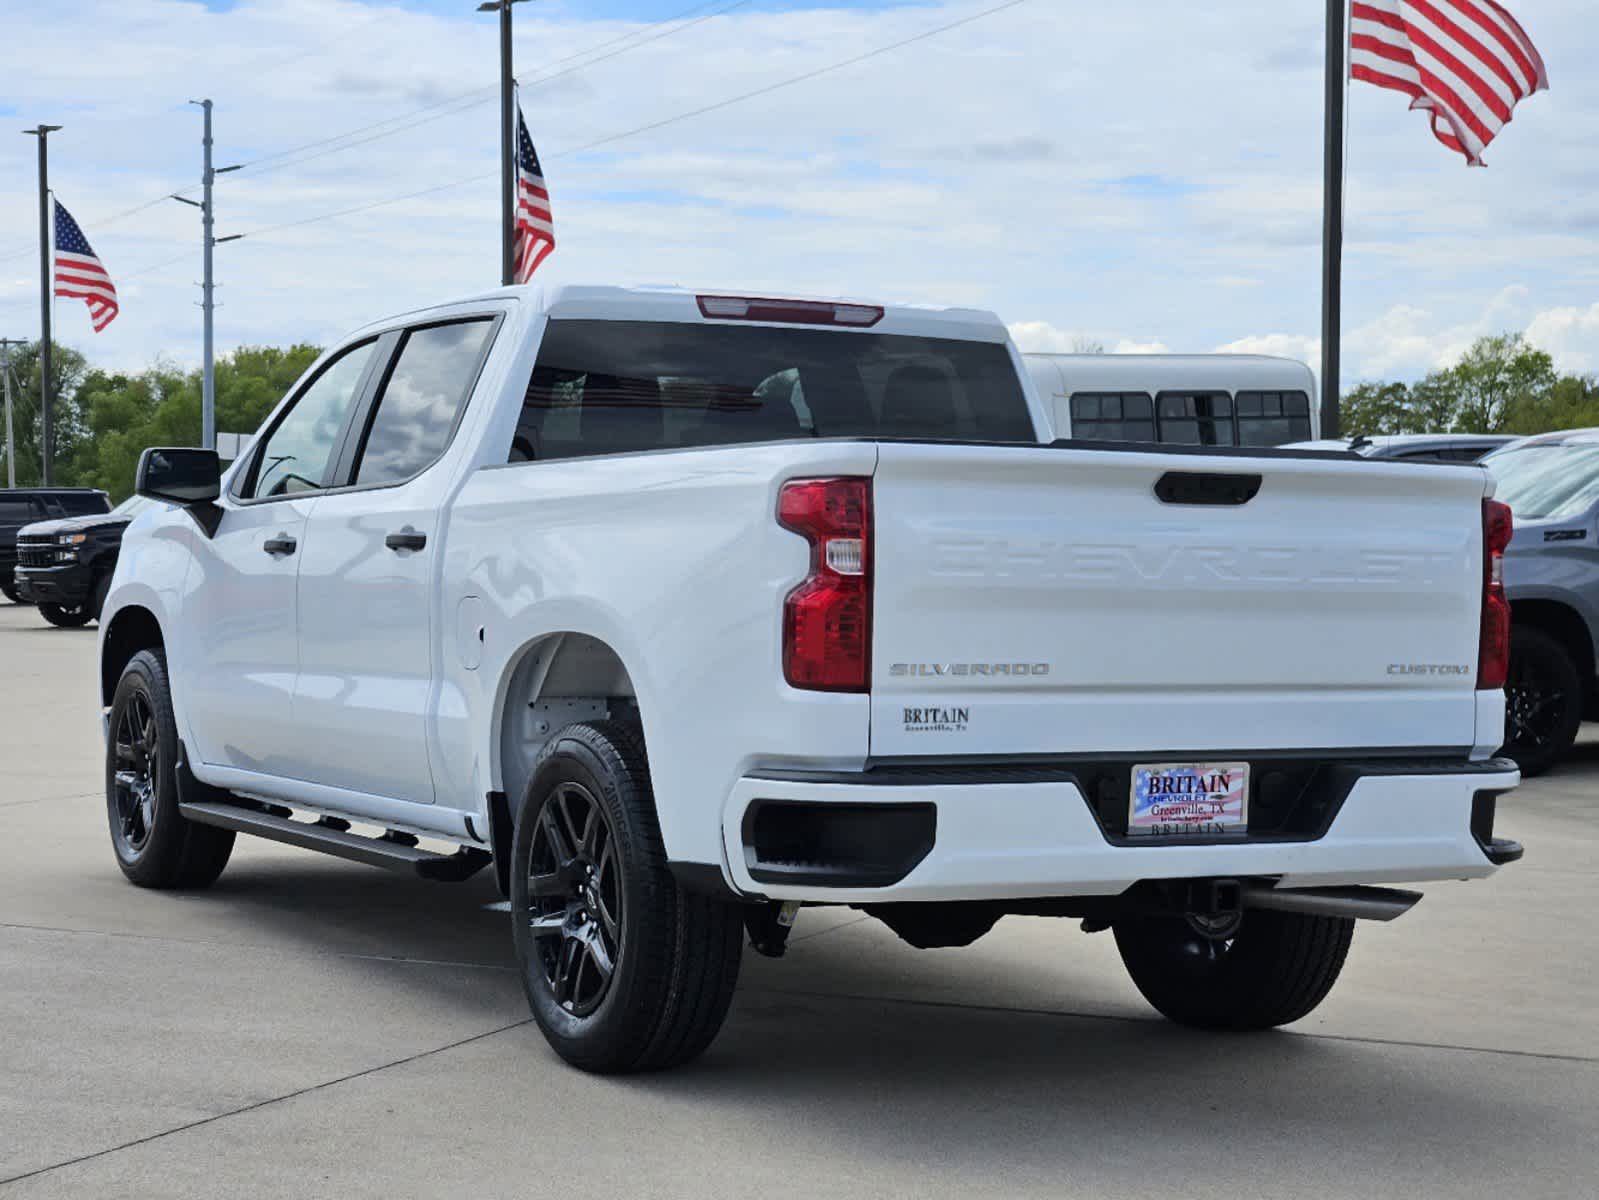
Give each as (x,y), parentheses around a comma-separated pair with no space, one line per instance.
(311,1027)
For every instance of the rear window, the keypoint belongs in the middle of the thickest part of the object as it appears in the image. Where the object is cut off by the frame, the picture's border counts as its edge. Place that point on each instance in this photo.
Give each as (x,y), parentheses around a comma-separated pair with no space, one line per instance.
(1113,416)
(17,509)
(1196,418)
(603,387)
(1272,418)
(1547,479)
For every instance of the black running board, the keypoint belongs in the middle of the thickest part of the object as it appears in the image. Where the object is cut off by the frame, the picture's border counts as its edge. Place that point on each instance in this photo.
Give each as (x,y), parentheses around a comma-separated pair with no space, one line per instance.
(376,852)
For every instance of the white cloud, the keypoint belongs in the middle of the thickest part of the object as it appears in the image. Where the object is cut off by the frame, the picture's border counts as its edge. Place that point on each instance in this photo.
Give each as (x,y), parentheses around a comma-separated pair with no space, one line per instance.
(1040,337)
(1570,334)
(1279,345)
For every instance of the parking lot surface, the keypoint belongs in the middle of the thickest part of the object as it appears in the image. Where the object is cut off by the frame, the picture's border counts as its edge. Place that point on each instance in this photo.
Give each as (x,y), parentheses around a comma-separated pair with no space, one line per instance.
(311,1027)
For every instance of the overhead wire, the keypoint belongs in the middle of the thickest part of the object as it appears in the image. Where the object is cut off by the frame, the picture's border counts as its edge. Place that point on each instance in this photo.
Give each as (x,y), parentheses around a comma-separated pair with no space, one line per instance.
(609,139)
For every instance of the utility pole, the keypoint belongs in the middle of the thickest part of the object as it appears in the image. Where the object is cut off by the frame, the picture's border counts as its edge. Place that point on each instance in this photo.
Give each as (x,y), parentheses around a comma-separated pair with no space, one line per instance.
(507,140)
(5,378)
(208,396)
(1332,216)
(43,133)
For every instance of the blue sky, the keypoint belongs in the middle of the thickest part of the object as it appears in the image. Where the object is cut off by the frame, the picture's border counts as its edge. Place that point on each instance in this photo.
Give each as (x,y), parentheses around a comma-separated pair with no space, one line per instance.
(1144,175)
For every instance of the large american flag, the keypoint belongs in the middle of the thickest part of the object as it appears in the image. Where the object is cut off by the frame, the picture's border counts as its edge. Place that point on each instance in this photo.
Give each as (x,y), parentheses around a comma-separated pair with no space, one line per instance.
(533,232)
(1467,62)
(79,272)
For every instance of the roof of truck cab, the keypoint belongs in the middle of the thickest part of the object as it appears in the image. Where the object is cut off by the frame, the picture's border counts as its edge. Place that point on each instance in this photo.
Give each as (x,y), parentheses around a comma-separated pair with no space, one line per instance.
(1177,372)
(606,303)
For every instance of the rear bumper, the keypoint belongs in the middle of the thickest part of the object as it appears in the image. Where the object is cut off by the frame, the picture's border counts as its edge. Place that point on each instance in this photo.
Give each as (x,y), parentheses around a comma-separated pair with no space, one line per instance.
(68,585)
(958,834)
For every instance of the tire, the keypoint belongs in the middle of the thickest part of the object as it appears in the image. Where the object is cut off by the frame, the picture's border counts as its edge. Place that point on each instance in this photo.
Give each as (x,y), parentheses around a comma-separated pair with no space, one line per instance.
(9,591)
(66,618)
(673,955)
(155,846)
(1276,968)
(1543,701)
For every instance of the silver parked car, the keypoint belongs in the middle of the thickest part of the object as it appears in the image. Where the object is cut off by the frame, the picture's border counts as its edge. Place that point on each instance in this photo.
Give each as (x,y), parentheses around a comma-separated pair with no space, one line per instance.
(1416,447)
(1551,483)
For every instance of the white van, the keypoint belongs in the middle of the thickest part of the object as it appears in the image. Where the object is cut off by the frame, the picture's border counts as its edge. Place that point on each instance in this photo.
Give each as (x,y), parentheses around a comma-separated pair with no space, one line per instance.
(1187,399)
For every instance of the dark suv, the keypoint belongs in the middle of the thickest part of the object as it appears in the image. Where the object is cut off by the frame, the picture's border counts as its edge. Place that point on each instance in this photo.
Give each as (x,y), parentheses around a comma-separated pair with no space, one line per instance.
(24,506)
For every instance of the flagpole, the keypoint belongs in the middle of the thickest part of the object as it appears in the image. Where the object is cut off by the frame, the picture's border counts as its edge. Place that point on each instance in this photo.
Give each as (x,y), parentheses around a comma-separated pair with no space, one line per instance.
(47,450)
(507,139)
(1332,221)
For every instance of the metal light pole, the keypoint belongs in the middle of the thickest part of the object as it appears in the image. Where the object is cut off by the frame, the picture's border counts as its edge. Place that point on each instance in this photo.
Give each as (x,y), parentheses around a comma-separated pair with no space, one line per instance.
(208,401)
(507,139)
(1332,216)
(5,379)
(47,416)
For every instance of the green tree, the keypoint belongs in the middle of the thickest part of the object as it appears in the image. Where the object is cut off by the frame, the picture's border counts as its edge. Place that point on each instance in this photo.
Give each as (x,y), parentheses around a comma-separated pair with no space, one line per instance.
(67,369)
(1496,376)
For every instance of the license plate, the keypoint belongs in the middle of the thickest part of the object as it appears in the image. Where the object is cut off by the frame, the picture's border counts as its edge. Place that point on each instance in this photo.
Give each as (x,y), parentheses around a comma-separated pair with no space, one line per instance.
(1189,800)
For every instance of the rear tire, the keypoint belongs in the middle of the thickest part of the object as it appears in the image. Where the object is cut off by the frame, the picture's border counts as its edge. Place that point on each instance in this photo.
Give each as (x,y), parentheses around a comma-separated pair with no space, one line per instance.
(623,969)
(1543,701)
(1276,968)
(66,618)
(156,846)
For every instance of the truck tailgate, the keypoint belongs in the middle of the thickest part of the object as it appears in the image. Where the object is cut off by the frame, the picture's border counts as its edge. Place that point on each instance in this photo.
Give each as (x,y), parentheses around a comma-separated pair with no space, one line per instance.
(1045,601)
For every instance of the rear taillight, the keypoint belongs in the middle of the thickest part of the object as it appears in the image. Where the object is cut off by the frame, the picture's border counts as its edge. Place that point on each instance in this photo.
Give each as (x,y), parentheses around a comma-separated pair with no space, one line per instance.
(827,619)
(1493,644)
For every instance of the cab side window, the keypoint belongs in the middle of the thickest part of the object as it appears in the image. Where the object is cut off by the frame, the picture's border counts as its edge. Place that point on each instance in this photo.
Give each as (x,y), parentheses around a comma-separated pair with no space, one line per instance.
(296,455)
(422,400)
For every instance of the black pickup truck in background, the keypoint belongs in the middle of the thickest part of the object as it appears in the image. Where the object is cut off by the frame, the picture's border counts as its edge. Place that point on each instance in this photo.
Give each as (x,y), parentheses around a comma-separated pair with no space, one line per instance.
(56,508)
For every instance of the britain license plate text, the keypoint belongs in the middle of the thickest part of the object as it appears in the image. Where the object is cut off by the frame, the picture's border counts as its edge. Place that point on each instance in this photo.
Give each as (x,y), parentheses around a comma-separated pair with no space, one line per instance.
(1189,800)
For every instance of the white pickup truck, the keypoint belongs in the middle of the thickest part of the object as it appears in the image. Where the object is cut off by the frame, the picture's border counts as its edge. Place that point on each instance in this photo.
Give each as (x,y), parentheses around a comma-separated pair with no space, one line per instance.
(683,611)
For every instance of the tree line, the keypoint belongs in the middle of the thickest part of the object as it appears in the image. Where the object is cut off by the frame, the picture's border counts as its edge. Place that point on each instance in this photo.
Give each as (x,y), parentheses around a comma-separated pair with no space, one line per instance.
(104,419)
(1502,384)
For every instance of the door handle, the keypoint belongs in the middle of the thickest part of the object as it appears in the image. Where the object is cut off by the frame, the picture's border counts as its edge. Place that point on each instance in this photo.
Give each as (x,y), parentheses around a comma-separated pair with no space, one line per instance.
(282,544)
(406,539)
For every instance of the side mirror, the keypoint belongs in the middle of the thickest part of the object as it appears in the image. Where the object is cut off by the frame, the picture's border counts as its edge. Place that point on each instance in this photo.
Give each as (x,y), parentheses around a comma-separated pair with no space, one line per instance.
(179,475)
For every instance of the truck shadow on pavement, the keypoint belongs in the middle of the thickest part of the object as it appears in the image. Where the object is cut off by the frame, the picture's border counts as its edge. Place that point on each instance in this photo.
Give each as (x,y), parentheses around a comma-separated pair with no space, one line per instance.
(972,1089)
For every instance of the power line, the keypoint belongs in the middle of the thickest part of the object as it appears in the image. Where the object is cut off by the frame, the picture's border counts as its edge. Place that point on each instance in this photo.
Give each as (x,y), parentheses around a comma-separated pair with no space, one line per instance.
(654,125)
(468,100)
(452,105)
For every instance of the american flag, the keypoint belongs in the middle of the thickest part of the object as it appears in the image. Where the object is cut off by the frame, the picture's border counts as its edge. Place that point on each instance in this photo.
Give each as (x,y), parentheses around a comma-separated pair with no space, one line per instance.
(79,272)
(533,231)
(1467,62)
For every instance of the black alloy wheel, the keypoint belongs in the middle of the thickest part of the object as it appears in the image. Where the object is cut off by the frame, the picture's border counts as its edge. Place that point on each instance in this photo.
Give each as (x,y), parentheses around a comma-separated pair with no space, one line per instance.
(66,616)
(576,911)
(1543,701)
(137,750)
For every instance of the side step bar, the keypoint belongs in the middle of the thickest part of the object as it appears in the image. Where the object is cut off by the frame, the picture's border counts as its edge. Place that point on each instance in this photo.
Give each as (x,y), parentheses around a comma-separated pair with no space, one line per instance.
(376,852)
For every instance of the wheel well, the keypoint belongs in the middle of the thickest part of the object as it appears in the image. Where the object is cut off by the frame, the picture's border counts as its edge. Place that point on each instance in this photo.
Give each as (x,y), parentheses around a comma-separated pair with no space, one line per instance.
(1566,626)
(133,629)
(558,679)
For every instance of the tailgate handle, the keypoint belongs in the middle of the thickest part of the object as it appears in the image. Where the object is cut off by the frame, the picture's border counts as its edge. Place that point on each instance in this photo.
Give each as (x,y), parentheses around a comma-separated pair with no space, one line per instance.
(1206,487)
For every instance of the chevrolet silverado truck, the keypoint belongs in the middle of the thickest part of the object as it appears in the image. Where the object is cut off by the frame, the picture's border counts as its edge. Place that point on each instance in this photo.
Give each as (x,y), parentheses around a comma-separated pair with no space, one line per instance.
(21,507)
(64,567)
(683,611)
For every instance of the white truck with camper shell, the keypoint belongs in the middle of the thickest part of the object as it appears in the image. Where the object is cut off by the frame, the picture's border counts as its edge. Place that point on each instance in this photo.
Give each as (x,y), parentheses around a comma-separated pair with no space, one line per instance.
(680,612)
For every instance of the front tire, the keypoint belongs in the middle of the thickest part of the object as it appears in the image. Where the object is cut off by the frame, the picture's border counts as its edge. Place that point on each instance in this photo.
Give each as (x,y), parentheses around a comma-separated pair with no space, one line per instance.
(1275,969)
(66,618)
(1543,701)
(9,591)
(623,969)
(156,846)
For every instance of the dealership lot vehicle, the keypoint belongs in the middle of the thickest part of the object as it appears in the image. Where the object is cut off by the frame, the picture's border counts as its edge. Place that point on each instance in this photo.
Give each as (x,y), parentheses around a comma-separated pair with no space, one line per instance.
(20,507)
(64,566)
(1181,399)
(1416,447)
(1551,482)
(682,611)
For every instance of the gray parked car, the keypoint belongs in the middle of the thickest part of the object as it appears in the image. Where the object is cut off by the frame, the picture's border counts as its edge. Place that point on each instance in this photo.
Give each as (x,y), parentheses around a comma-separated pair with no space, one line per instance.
(1551,482)
(1416,447)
